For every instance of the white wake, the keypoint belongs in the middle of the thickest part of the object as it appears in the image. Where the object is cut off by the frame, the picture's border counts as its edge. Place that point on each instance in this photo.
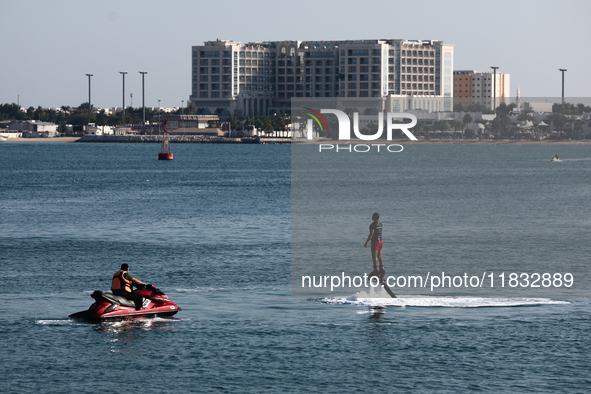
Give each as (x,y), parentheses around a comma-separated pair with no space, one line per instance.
(381,298)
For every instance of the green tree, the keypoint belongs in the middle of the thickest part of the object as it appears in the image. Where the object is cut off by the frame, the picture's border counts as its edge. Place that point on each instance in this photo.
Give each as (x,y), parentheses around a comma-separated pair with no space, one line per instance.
(102,118)
(467,119)
(62,128)
(10,111)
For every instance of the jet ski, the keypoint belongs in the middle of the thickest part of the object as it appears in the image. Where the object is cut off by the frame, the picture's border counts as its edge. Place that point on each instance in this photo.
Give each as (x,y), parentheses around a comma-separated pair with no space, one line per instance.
(109,307)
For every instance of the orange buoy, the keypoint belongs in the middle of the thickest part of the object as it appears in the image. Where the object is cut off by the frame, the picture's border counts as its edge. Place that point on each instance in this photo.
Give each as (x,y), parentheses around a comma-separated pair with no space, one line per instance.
(165,152)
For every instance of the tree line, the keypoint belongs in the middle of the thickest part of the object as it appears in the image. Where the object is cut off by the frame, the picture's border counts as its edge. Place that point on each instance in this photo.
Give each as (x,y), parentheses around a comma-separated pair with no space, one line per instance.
(80,115)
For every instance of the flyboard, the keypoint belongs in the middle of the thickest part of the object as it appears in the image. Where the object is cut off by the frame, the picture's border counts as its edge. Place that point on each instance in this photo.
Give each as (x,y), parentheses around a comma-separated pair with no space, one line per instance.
(387,288)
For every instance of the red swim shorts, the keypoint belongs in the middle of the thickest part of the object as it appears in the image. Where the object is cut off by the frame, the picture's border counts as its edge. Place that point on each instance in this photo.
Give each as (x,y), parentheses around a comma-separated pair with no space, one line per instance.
(377,245)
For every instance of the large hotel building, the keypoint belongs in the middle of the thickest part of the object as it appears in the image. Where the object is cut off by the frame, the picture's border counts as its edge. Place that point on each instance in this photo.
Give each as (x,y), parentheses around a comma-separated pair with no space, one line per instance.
(256,79)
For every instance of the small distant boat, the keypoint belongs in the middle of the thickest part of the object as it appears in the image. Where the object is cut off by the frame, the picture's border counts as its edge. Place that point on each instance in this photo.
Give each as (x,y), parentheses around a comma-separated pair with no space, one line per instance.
(165,152)
(555,158)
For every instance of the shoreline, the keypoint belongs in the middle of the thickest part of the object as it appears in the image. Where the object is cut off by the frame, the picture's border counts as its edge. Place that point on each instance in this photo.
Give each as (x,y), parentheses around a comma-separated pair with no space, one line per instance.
(53,139)
(125,139)
(465,142)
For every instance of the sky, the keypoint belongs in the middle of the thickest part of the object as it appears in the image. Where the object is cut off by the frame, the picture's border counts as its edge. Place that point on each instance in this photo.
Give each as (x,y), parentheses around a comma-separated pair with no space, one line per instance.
(47,47)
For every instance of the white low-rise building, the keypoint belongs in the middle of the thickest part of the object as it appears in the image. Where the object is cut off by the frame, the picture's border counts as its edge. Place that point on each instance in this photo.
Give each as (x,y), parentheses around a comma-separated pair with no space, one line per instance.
(92,129)
(34,129)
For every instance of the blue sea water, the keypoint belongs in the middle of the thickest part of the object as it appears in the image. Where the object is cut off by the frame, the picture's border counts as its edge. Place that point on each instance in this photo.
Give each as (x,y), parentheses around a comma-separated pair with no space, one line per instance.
(212,229)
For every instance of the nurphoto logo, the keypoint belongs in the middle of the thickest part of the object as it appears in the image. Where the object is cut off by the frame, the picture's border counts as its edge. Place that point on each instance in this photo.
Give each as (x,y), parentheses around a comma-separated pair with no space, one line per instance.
(345,124)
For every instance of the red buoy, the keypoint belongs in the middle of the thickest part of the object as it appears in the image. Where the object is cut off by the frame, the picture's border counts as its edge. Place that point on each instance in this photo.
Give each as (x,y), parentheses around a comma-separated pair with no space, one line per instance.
(165,153)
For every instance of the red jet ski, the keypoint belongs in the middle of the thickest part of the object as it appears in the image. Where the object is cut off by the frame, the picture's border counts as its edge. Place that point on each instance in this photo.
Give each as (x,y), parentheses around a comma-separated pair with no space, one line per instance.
(108,307)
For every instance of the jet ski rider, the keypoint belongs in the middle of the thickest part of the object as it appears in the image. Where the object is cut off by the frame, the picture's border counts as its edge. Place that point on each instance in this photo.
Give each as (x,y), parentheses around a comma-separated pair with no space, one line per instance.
(122,286)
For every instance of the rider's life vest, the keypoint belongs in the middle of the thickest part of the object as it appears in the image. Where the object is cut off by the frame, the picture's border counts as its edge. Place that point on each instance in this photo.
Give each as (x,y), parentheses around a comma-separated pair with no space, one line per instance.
(119,282)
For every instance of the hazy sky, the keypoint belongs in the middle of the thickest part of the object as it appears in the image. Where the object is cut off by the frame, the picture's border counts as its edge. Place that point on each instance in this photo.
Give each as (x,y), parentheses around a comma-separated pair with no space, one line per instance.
(47,47)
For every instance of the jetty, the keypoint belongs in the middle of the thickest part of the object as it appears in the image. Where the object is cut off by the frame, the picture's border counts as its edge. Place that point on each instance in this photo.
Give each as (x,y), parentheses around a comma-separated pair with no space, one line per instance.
(180,139)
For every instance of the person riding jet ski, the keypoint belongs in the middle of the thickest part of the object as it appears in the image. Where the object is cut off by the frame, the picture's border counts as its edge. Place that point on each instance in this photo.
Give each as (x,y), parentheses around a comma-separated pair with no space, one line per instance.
(122,286)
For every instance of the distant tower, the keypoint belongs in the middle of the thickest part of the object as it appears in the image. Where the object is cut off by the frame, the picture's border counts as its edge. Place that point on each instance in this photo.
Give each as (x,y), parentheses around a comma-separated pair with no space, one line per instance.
(517,99)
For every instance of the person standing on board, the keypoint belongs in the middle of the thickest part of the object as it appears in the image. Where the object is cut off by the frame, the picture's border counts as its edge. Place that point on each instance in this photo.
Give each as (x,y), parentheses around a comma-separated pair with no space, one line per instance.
(122,286)
(375,236)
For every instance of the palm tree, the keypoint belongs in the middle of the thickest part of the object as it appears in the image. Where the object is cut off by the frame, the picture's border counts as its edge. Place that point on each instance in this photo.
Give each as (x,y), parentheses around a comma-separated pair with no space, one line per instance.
(467,119)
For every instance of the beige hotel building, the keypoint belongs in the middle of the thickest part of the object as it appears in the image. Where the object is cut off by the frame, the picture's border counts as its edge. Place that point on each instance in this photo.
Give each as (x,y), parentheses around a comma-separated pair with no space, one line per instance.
(256,79)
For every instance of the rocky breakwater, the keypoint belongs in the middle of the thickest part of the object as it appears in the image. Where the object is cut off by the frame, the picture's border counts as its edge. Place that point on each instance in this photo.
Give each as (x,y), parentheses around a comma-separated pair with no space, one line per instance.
(174,139)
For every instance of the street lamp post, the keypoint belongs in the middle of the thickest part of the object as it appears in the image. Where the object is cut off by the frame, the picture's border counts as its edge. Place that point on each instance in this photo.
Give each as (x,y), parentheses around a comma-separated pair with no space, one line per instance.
(182,111)
(562,70)
(123,73)
(89,106)
(143,96)
(494,87)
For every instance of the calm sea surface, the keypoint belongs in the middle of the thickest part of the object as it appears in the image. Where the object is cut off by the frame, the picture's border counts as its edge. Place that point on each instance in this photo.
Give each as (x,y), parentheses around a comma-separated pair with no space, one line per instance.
(213,230)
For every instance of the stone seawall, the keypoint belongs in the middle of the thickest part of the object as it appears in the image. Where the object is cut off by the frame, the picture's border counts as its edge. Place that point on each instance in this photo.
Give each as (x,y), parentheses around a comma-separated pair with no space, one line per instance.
(174,139)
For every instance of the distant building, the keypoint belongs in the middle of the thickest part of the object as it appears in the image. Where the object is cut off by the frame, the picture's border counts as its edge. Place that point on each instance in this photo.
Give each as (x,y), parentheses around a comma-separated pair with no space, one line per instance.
(473,87)
(34,129)
(261,78)
(173,122)
(93,129)
(116,110)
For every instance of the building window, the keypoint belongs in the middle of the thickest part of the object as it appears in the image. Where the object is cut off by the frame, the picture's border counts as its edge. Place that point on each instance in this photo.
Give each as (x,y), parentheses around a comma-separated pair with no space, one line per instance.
(358,52)
(210,53)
